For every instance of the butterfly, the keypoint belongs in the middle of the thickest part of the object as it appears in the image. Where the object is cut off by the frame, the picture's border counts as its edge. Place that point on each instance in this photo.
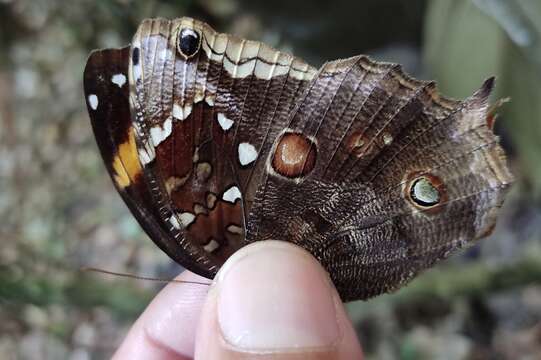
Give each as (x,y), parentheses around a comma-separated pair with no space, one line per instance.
(215,142)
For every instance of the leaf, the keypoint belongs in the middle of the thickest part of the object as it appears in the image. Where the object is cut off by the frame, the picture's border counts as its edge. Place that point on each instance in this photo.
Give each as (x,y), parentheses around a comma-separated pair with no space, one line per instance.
(518,19)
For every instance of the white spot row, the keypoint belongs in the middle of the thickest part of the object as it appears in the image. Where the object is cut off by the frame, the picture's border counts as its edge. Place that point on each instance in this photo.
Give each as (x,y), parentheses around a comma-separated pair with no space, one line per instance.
(247,54)
(200,96)
(118,79)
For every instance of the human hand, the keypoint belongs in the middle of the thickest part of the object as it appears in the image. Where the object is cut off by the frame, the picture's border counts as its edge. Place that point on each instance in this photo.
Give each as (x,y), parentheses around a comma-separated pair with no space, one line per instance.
(270,300)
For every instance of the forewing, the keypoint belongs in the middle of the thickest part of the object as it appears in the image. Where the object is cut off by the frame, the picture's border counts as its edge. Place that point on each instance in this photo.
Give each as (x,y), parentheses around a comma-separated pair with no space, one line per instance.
(205,118)
(107,96)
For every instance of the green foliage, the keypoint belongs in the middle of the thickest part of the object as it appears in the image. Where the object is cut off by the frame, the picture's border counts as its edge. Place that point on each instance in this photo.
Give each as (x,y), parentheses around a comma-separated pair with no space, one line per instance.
(467,41)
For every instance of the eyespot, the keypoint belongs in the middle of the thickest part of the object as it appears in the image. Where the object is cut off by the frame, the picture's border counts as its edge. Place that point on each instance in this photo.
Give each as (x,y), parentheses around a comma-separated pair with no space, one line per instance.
(295,155)
(424,193)
(189,42)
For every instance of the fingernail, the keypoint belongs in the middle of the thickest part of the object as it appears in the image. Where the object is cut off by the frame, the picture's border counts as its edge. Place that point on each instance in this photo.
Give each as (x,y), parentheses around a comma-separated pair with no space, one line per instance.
(273,296)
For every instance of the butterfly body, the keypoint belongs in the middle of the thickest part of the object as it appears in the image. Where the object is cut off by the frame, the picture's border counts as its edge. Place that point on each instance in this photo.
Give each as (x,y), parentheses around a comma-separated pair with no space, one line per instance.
(215,142)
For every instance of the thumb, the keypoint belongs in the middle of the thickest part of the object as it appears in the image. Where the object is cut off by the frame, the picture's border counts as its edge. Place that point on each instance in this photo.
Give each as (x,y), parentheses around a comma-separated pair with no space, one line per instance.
(272,300)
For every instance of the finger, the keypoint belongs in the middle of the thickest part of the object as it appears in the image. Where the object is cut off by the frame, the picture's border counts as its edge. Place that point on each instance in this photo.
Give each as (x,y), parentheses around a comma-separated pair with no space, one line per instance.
(272,300)
(166,329)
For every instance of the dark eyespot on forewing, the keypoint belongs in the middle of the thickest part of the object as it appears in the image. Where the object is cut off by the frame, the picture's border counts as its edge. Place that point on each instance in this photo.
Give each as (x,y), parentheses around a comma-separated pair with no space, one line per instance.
(189,42)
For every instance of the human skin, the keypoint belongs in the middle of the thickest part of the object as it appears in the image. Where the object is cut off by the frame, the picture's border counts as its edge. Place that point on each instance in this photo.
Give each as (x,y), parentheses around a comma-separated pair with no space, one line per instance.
(270,300)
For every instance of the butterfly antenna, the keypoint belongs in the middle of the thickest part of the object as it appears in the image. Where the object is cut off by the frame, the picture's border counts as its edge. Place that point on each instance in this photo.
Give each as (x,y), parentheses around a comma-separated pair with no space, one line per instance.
(137,277)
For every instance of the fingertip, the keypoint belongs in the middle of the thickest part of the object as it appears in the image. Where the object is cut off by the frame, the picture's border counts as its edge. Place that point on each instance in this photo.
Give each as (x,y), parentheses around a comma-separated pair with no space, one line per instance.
(167,327)
(274,298)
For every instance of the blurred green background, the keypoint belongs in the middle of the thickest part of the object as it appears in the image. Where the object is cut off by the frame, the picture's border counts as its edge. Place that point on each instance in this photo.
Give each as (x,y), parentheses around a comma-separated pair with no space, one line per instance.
(59,211)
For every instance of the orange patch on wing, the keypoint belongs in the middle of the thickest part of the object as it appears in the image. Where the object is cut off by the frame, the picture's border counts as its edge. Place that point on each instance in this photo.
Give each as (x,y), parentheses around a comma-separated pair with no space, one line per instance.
(126,162)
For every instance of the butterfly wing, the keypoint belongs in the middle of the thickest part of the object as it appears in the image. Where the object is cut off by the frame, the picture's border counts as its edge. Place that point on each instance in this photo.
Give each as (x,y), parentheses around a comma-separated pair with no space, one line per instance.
(379,177)
(107,97)
(185,137)
(371,171)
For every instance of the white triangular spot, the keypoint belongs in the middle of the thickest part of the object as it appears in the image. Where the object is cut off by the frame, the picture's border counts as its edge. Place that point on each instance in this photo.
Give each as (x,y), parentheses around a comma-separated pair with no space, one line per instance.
(247,153)
(198,96)
(177,112)
(119,79)
(187,218)
(224,122)
(159,133)
(232,194)
(173,220)
(93,101)
(181,113)
(187,110)
(211,246)
(234,229)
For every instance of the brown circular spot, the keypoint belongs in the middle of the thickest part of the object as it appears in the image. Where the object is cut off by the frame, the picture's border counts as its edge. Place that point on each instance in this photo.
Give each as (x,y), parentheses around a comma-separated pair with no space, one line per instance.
(295,155)
(426,192)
